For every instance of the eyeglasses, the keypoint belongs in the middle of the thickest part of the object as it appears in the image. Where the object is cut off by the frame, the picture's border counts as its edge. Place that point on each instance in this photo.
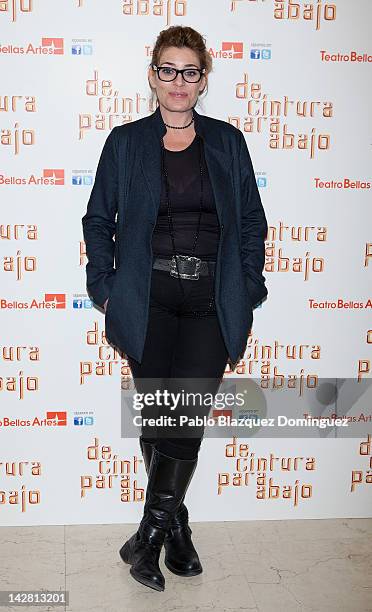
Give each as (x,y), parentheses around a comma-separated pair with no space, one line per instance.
(190,75)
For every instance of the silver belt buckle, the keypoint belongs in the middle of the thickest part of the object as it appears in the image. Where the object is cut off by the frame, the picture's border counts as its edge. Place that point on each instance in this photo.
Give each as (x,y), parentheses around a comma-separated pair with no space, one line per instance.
(188,265)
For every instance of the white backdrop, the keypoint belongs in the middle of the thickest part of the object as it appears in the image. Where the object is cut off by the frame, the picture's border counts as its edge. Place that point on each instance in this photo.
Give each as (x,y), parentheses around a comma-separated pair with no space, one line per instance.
(295,77)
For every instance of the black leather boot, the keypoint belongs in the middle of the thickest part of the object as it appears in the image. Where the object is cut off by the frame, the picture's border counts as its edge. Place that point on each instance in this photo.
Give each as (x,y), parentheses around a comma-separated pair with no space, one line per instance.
(181,557)
(168,480)
(146,449)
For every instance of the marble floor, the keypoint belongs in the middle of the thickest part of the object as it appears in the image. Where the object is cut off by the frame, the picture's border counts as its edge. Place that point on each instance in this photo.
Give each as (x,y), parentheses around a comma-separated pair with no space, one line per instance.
(307,565)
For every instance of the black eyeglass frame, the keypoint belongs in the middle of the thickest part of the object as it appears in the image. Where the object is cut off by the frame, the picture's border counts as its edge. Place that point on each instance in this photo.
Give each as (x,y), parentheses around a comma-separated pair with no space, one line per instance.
(200,70)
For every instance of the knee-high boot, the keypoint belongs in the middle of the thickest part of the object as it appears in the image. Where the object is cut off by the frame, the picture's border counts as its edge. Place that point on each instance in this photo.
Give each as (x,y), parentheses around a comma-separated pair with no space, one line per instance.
(168,480)
(181,557)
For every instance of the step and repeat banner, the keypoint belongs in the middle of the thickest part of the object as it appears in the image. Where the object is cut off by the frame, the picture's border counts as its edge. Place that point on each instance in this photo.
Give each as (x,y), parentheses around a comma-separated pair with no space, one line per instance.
(295,78)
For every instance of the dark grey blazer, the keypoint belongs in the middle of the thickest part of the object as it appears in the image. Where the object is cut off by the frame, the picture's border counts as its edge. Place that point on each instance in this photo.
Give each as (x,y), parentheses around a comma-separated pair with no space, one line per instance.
(124,204)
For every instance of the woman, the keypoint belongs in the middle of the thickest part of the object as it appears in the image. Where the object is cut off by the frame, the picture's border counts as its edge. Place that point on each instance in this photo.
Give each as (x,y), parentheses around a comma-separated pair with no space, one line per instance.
(189,255)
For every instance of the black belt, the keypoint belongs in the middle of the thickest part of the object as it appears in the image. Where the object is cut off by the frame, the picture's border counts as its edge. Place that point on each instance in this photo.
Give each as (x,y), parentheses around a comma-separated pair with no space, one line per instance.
(189,267)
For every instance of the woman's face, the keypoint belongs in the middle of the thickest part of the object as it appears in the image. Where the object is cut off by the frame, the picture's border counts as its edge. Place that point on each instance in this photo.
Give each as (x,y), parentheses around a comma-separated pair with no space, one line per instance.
(176,57)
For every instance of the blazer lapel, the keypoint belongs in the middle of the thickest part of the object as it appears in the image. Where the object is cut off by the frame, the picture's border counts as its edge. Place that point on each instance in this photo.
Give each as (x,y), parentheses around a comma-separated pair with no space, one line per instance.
(219,164)
(151,167)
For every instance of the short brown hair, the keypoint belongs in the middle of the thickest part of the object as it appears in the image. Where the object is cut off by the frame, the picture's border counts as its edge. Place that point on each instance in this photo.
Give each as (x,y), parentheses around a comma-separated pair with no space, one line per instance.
(183,36)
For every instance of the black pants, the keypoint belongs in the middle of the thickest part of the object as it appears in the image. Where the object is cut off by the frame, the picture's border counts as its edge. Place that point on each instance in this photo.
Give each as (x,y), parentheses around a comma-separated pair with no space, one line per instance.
(181,350)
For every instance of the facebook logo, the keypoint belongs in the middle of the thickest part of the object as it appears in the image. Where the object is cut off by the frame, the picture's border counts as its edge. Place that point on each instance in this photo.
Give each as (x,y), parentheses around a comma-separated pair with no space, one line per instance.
(76,50)
(78,420)
(77,303)
(255,54)
(76,179)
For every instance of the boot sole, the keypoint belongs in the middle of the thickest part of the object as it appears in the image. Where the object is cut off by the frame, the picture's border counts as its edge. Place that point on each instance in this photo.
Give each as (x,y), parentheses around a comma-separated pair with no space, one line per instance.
(188,573)
(142,580)
(124,554)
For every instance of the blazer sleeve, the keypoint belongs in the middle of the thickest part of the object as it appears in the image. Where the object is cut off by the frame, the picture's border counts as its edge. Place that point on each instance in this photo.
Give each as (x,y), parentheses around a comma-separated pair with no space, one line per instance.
(254,227)
(99,223)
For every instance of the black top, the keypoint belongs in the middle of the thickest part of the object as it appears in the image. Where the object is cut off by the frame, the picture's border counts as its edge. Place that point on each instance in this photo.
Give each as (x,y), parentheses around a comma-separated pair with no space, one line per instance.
(184,194)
